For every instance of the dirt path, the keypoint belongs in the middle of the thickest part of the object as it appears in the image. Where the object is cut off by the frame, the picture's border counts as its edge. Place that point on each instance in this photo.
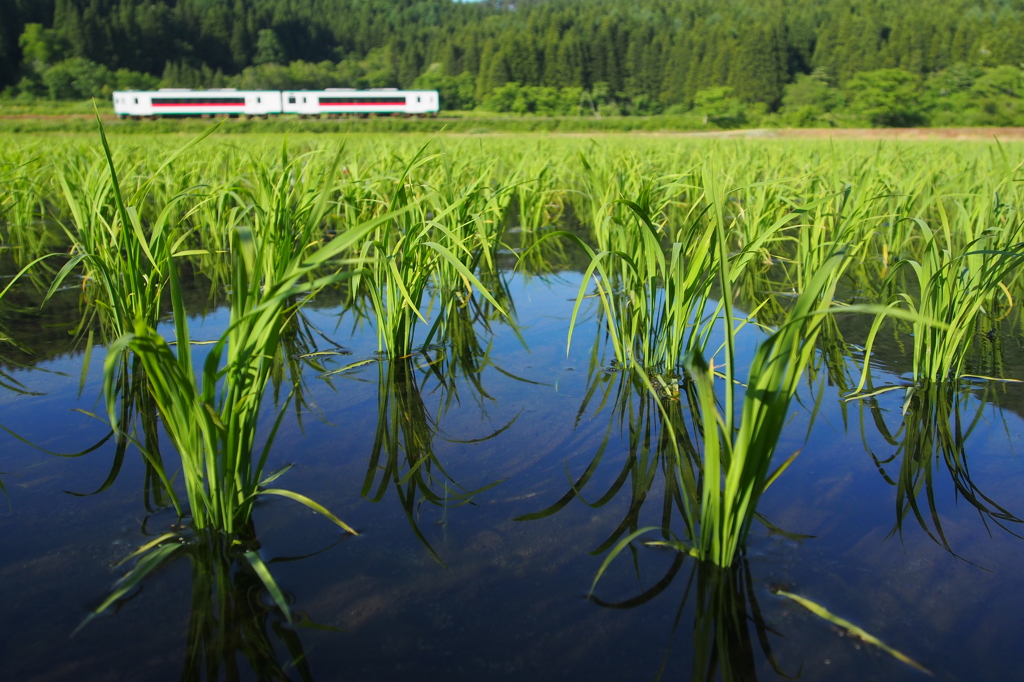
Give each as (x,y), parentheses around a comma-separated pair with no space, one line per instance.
(891,133)
(902,134)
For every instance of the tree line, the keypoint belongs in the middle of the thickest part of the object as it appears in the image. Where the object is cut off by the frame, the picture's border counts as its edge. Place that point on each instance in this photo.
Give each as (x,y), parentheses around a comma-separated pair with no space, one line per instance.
(755,57)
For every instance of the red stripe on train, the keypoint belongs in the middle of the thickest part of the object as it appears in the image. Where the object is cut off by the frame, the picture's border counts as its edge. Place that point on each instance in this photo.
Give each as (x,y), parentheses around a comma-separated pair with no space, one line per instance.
(362,104)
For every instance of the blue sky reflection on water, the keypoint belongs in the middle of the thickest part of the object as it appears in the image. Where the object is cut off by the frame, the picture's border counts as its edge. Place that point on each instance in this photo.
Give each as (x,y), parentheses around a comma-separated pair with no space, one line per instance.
(509,601)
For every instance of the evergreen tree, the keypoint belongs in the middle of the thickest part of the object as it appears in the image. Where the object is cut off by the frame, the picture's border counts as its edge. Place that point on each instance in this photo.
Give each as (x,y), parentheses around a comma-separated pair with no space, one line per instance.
(268,48)
(759,68)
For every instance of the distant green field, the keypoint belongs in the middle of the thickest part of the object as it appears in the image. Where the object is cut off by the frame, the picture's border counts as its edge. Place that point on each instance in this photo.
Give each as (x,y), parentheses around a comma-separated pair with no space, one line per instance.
(70,118)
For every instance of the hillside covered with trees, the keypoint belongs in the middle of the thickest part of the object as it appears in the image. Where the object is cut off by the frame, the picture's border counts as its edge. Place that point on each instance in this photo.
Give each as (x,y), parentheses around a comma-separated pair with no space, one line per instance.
(895,62)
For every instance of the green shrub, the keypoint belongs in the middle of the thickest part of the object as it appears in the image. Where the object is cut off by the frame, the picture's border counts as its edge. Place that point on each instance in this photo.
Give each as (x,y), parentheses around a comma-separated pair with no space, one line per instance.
(887,97)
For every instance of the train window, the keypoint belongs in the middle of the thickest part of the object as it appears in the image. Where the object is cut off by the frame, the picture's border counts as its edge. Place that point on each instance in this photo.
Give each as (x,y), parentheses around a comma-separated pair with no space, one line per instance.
(136,100)
(417,99)
(376,101)
(303,100)
(257,100)
(291,100)
(196,101)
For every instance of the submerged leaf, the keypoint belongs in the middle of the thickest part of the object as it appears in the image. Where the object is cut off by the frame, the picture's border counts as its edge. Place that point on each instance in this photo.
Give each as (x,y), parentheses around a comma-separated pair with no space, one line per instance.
(268,581)
(860,633)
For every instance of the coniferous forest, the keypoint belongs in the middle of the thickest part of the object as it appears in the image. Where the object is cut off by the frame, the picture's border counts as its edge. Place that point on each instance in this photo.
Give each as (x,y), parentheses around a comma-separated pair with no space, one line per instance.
(813,62)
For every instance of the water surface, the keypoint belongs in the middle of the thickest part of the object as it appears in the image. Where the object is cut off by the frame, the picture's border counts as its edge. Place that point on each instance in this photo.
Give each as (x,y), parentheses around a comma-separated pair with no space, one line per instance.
(445,583)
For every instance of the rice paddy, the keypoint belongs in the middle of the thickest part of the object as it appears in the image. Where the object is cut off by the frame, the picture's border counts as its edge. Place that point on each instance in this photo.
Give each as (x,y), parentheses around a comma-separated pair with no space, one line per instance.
(451,407)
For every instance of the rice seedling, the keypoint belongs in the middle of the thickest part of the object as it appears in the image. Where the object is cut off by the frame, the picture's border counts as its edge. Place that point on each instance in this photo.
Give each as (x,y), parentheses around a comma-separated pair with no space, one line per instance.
(124,267)
(738,448)
(409,254)
(467,221)
(27,234)
(655,283)
(645,327)
(605,179)
(955,289)
(212,418)
(539,199)
(124,262)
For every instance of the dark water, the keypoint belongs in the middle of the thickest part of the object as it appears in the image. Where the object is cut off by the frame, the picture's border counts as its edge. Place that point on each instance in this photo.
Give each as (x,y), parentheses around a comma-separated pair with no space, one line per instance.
(509,600)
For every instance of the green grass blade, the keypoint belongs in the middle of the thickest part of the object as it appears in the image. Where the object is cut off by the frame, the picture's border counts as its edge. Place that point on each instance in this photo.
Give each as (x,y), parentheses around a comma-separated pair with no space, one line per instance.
(621,545)
(147,564)
(268,581)
(302,499)
(860,633)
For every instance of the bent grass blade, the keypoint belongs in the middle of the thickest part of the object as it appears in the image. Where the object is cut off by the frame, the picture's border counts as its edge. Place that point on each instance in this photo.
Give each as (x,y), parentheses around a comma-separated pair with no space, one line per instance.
(149,562)
(858,632)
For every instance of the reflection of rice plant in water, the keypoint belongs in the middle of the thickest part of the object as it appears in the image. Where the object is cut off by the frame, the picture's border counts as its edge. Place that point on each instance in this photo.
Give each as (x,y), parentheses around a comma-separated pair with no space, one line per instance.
(934,430)
(403,455)
(637,412)
(726,609)
(727,615)
(231,616)
(453,358)
(238,614)
(8,382)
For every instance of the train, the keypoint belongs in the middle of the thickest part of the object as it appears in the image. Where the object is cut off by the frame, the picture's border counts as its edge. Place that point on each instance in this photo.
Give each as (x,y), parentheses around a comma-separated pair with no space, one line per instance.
(180,102)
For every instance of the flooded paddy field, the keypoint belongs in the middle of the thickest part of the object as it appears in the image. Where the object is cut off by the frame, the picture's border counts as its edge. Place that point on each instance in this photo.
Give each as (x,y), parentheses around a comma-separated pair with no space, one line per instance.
(511,408)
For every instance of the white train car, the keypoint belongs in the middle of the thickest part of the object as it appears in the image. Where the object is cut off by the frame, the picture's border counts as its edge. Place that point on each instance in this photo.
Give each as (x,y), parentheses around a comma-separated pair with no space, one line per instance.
(348,101)
(183,102)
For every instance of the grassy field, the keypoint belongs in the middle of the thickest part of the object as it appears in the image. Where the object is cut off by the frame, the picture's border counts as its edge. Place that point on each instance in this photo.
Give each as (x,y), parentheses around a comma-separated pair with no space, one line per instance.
(72,117)
(40,122)
(79,118)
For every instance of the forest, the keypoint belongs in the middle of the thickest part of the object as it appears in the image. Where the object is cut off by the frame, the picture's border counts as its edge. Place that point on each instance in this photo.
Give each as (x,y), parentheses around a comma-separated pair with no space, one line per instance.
(812,62)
